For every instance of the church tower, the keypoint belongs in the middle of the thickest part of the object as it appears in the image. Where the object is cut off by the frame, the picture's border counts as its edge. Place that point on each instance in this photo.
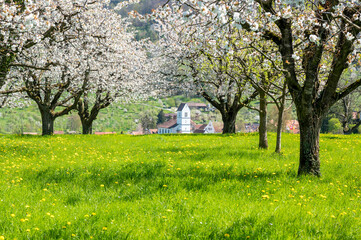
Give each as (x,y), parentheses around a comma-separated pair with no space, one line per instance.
(184,118)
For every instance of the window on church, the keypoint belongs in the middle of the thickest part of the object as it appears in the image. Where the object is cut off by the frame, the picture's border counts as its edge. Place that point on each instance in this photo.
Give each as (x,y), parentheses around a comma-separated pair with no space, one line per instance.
(186,114)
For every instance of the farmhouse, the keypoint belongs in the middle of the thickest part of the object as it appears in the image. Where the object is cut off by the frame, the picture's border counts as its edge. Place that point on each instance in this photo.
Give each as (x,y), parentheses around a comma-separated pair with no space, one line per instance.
(356,115)
(182,123)
(197,105)
(204,128)
(293,126)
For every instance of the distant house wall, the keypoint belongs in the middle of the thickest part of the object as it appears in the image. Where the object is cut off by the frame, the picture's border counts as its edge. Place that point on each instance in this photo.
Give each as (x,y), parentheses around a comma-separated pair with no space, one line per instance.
(167,130)
(209,128)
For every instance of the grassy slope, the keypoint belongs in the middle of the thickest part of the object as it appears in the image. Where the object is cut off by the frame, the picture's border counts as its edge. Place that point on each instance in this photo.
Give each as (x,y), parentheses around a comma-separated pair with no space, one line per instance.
(118,117)
(175,187)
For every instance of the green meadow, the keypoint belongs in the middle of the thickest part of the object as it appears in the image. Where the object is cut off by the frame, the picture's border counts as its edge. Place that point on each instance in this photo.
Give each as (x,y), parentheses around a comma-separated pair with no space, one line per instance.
(176,187)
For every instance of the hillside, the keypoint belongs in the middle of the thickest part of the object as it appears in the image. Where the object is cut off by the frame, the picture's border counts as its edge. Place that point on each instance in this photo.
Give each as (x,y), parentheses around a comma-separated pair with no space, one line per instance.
(118,117)
(143,7)
(144,29)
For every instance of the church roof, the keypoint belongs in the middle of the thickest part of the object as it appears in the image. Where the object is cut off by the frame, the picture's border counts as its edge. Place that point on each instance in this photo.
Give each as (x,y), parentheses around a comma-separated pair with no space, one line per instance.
(201,126)
(181,107)
(169,124)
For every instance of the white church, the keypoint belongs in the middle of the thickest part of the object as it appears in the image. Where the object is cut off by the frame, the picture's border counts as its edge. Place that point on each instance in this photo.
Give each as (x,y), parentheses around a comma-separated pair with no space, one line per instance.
(183,123)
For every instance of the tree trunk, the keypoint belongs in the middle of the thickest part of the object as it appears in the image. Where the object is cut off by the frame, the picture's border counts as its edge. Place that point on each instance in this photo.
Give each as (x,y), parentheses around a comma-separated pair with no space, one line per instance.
(263,142)
(310,126)
(47,122)
(87,117)
(353,129)
(229,123)
(279,129)
(87,126)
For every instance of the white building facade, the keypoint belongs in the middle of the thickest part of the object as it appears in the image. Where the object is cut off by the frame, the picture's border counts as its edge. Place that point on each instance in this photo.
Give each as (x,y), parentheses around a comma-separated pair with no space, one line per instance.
(184,118)
(183,124)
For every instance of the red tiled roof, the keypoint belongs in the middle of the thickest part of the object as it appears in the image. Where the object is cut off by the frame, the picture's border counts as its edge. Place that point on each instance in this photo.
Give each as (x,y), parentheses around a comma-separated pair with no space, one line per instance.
(169,124)
(354,115)
(136,133)
(104,133)
(193,104)
(201,126)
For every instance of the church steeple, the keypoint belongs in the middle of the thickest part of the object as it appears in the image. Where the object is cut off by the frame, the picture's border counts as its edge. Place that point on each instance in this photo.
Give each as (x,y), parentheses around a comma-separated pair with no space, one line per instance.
(184,118)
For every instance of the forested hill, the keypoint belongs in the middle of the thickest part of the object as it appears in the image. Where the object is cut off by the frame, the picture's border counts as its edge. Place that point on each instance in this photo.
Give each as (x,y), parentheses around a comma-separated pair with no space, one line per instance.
(144,29)
(143,7)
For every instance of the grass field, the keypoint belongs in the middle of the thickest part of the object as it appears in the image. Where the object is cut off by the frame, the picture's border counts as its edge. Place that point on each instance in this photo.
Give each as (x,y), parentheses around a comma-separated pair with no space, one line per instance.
(176,187)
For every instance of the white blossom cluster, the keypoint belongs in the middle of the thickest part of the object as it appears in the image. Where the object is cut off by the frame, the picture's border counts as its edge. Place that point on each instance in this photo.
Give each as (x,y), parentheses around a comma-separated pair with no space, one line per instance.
(29,22)
(201,23)
(91,50)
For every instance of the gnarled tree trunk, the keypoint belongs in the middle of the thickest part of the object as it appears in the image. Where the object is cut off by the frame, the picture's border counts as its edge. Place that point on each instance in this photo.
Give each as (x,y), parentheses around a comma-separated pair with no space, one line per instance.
(47,120)
(87,126)
(310,126)
(229,109)
(229,122)
(87,116)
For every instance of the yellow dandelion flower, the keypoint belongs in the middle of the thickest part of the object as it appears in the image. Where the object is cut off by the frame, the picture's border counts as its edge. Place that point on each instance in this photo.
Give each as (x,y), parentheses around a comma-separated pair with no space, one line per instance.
(28,230)
(227,235)
(12,215)
(94,214)
(104,228)
(73,235)
(68,223)
(63,227)
(102,185)
(2,238)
